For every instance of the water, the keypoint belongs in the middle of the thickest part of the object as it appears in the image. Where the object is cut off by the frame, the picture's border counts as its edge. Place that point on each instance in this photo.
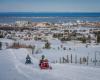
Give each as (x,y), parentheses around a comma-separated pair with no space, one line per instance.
(44,14)
(11,17)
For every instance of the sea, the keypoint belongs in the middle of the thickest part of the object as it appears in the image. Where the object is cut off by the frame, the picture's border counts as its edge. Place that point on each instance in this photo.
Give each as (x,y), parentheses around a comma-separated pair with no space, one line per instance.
(58,17)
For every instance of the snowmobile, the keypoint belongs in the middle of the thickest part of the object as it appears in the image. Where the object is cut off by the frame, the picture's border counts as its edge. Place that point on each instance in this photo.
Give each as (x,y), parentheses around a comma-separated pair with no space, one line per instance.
(44,64)
(28,60)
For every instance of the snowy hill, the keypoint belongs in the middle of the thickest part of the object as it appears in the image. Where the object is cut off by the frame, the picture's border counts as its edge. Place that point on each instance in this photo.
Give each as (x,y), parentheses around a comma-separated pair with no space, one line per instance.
(13,67)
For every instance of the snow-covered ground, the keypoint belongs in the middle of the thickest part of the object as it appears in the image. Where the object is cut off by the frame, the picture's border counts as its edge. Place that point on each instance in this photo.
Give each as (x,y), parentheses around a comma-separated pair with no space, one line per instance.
(54,54)
(13,67)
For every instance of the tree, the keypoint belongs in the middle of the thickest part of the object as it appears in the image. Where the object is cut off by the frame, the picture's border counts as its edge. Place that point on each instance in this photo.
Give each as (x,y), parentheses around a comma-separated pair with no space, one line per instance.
(84,39)
(55,35)
(47,45)
(97,35)
(1,35)
(65,39)
(89,38)
(98,38)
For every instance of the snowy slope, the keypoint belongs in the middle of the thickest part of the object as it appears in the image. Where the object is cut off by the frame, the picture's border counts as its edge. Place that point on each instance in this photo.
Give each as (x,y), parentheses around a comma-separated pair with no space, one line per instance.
(12,67)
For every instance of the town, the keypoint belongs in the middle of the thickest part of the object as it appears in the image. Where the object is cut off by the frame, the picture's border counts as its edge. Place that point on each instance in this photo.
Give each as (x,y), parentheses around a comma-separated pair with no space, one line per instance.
(44,31)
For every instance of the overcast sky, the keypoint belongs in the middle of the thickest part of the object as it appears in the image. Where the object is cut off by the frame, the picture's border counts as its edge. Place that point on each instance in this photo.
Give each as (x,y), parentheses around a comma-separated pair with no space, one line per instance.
(49,5)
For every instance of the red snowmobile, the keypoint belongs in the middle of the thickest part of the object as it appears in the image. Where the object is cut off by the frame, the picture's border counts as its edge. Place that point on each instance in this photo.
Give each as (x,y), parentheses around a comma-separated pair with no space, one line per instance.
(44,64)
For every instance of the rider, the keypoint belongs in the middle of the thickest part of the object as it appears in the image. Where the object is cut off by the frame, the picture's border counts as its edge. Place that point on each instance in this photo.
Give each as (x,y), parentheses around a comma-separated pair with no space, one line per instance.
(28,59)
(44,63)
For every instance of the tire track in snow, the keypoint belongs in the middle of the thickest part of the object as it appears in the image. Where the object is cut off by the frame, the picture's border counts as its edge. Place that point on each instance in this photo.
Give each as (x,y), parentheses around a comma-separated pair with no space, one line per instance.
(17,66)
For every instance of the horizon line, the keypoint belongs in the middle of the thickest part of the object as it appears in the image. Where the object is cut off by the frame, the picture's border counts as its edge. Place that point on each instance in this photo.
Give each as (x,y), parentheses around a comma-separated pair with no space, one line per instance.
(48,12)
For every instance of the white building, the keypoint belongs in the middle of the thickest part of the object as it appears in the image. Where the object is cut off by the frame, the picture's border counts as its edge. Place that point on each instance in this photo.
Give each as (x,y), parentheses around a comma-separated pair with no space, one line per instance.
(21,23)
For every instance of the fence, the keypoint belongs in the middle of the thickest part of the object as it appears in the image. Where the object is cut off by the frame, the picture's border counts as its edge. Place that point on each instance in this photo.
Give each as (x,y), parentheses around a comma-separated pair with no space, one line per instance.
(75,59)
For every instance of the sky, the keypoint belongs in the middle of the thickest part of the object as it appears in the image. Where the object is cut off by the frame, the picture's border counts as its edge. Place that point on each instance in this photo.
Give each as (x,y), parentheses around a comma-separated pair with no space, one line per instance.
(49,5)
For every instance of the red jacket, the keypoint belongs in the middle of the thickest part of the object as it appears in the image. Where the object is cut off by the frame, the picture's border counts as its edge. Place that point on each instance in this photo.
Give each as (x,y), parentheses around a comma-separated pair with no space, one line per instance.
(44,64)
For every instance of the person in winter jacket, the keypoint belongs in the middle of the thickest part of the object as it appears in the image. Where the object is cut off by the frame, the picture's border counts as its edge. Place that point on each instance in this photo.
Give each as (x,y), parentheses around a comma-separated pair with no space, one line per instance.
(44,63)
(28,60)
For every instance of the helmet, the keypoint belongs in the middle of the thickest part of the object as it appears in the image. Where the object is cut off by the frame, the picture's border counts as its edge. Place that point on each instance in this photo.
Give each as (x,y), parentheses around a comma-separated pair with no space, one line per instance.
(43,56)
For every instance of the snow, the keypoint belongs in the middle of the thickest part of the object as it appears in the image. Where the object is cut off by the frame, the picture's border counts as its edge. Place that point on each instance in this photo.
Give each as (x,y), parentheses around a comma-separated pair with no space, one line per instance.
(12,67)
(8,70)
(4,41)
